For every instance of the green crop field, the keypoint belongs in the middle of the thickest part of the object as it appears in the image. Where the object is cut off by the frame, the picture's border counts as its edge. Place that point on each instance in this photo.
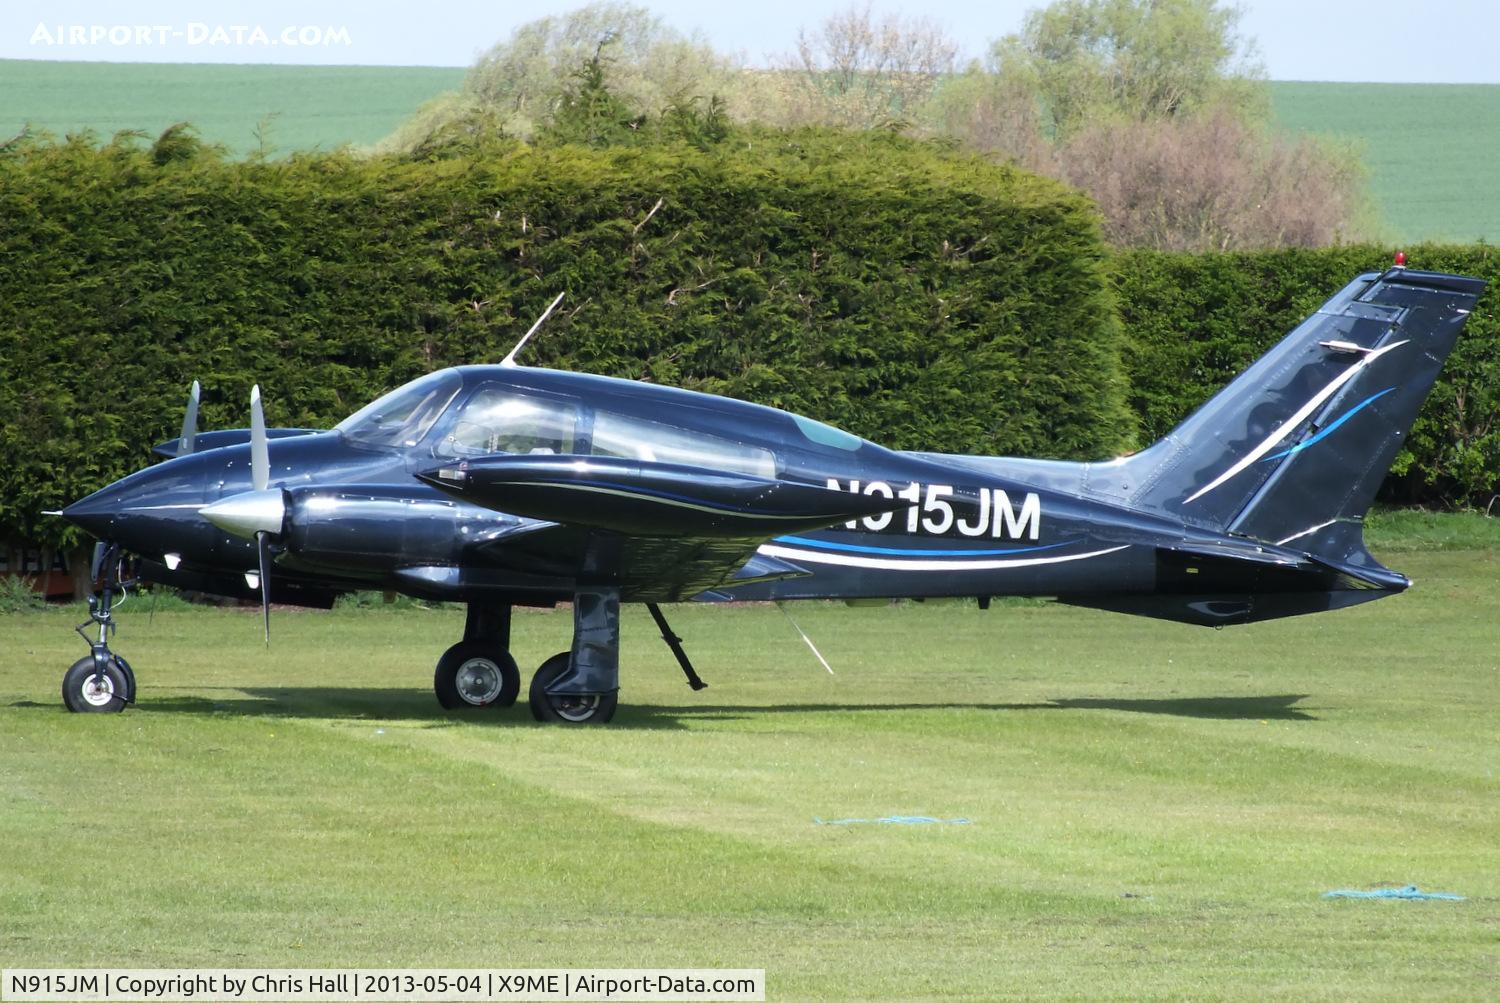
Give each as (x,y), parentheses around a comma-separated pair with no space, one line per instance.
(1152,810)
(1430,148)
(293,107)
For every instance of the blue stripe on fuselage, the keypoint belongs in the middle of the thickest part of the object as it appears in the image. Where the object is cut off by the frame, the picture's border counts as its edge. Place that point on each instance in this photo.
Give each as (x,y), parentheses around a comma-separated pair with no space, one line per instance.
(852,548)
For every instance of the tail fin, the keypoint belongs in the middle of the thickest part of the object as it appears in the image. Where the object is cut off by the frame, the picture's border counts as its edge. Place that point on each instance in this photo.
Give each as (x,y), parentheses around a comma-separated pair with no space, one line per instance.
(1296,447)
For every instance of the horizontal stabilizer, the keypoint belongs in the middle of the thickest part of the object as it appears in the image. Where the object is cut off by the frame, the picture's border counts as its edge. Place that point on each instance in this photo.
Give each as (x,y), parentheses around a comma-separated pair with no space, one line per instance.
(1242,550)
(641,498)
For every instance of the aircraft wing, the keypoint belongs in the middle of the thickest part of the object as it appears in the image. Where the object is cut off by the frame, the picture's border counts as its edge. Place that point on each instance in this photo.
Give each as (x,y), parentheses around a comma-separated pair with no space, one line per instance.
(665,531)
(644,498)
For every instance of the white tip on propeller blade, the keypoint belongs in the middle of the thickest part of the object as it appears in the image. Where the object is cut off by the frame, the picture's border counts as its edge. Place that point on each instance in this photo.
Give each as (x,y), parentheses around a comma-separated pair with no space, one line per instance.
(260,457)
(263,552)
(189,423)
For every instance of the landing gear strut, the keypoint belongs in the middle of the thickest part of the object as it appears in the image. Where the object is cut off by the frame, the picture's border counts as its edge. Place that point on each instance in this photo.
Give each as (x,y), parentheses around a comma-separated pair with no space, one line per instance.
(102,682)
(578,686)
(582,686)
(479,671)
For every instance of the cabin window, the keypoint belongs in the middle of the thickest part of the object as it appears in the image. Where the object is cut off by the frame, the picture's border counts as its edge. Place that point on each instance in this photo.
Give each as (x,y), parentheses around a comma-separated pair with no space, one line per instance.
(638,439)
(499,421)
(827,435)
(403,416)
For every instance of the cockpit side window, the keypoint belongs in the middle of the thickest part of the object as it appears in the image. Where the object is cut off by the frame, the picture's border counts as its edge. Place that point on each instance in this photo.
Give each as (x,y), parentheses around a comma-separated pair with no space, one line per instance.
(403,416)
(495,420)
(636,438)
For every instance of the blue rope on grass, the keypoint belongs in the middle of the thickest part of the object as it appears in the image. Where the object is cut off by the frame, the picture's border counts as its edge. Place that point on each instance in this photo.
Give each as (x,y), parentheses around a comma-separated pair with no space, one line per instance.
(893,820)
(1409,892)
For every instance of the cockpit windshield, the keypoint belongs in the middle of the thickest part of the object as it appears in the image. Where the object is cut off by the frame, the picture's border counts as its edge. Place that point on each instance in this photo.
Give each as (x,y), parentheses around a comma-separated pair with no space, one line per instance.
(403,416)
(496,420)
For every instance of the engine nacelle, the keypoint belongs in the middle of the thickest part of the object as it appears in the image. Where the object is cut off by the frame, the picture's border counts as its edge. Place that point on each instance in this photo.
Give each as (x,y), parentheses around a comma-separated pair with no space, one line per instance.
(379,528)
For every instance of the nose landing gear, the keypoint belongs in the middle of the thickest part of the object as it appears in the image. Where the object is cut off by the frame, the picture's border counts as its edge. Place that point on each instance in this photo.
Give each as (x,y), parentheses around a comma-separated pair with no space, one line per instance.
(102,682)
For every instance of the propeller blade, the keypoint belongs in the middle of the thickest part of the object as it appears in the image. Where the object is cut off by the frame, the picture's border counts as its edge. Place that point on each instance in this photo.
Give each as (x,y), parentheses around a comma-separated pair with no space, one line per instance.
(189,423)
(263,547)
(260,457)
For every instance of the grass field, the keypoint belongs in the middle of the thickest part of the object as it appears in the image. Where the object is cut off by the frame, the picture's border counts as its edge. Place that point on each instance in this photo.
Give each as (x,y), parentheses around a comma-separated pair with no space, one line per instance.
(1154,810)
(1430,148)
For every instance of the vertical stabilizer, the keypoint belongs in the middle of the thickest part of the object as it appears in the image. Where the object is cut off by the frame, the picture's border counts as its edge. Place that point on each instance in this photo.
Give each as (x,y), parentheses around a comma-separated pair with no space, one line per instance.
(1295,448)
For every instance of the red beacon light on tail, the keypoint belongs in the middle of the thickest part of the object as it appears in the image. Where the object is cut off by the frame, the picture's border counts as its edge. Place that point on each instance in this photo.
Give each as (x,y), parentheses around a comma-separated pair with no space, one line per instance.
(1400,259)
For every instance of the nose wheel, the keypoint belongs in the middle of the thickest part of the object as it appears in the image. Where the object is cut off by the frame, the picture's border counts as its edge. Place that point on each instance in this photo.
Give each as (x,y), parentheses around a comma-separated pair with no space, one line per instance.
(101,682)
(88,690)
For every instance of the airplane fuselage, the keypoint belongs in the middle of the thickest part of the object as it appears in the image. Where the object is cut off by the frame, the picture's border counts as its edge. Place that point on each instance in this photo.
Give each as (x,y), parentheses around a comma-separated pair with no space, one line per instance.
(357,515)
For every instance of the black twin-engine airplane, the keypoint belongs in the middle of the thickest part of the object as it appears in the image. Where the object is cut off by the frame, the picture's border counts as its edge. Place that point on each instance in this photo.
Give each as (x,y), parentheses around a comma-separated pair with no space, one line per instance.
(498,486)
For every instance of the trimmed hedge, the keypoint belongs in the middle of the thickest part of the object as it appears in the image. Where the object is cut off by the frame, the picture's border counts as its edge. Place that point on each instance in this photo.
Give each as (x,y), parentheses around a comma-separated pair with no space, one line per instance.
(918,296)
(1193,321)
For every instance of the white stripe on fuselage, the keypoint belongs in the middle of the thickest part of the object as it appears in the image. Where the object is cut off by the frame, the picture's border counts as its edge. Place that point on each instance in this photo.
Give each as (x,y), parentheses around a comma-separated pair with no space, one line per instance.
(908,564)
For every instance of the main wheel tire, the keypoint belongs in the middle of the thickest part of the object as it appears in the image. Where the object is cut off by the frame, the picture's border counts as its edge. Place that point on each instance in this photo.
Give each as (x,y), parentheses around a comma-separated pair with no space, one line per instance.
(87,691)
(592,708)
(476,674)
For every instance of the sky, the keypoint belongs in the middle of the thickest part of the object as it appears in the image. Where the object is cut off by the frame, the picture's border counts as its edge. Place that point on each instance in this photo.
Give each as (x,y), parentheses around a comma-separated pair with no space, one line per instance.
(1437,41)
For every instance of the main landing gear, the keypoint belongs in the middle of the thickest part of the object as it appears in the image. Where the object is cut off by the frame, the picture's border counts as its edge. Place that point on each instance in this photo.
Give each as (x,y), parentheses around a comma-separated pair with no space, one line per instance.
(578,686)
(478,671)
(101,682)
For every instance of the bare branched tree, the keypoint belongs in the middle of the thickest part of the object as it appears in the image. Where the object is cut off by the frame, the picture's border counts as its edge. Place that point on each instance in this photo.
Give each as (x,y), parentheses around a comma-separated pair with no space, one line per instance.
(995,115)
(1213,182)
(858,72)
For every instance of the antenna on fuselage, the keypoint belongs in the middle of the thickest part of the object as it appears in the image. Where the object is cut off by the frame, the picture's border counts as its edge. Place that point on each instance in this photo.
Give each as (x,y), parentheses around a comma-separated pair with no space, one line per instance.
(510,360)
(816,653)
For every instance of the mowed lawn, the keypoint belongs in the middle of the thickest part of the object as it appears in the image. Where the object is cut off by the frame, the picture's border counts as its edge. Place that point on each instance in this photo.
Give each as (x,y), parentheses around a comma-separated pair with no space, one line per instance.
(1153,810)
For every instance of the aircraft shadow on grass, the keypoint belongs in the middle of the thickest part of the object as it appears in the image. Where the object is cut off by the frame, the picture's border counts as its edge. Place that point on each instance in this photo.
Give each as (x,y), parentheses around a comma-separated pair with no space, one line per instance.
(389,704)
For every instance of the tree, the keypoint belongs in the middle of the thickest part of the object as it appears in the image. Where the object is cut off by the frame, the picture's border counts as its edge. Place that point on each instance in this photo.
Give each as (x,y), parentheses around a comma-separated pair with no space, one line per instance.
(589,112)
(519,86)
(1213,182)
(996,115)
(1142,60)
(1157,110)
(855,72)
(525,78)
